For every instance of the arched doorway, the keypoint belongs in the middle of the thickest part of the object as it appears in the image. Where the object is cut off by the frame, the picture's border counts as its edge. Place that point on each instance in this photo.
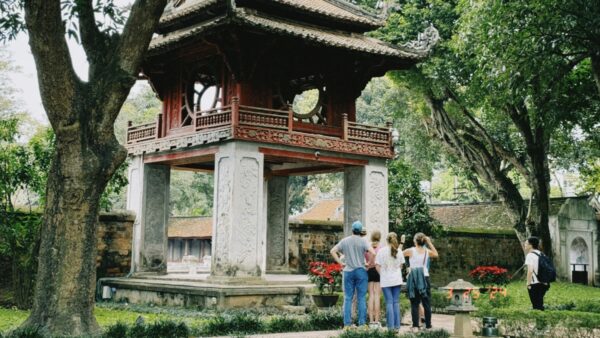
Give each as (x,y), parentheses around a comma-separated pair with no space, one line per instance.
(579,260)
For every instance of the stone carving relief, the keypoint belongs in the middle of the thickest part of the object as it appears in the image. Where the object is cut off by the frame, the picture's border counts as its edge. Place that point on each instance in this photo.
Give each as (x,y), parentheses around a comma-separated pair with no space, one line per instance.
(156,209)
(276,221)
(223,214)
(353,195)
(377,199)
(247,228)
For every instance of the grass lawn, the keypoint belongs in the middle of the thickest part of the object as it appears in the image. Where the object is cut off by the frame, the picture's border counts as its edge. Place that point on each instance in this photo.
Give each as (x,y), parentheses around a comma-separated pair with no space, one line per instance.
(560,294)
(109,314)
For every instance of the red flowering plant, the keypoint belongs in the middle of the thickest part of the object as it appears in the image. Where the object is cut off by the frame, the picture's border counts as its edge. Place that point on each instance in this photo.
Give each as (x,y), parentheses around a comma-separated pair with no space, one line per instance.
(490,275)
(327,276)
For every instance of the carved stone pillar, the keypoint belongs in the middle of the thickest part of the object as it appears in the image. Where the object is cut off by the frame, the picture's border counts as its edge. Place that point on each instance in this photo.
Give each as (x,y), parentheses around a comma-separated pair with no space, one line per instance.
(239,233)
(366,197)
(135,196)
(277,224)
(155,216)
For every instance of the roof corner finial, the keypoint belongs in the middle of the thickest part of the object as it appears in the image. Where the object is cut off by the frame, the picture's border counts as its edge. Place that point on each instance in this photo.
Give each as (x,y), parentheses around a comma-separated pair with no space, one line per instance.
(425,40)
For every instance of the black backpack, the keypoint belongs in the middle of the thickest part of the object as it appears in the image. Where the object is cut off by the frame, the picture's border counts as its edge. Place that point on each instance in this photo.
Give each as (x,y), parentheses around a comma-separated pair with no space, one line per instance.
(546,271)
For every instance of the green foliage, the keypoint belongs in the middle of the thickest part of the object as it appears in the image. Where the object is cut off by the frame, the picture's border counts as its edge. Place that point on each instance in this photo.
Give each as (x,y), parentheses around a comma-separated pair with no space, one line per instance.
(329,319)
(365,332)
(28,332)
(234,323)
(382,101)
(141,107)
(409,211)
(159,329)
(191,193)
(592,306)
(439,300)
(286,323)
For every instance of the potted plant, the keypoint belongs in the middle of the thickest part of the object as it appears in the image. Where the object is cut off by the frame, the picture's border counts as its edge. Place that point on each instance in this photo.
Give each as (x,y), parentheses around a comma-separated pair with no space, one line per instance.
(490,276)
(328,279)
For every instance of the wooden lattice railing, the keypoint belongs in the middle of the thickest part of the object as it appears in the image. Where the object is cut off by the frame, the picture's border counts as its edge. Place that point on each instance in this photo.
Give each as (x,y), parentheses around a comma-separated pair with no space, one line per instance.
(144,132)
(367,133)
(213,118)
(236,115)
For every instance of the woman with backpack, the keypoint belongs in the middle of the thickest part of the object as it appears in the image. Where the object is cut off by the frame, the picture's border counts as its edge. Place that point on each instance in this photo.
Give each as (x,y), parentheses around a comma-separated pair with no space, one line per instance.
(540,273)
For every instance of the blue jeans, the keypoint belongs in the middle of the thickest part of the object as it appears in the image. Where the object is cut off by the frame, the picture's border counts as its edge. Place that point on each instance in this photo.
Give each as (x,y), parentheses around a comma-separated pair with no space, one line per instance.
(356,279)
(392,306)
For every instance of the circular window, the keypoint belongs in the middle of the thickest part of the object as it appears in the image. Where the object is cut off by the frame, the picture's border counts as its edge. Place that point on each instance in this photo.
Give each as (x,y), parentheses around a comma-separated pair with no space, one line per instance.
(307,106)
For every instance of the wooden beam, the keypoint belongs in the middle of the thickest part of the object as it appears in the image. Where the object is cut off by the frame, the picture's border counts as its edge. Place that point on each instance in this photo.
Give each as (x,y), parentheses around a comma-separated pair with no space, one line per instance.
(306,171)
(311,157)
(183,157)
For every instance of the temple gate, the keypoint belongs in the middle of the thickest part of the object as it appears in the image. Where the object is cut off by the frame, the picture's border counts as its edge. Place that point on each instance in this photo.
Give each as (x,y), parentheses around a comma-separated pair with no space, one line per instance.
(228,73)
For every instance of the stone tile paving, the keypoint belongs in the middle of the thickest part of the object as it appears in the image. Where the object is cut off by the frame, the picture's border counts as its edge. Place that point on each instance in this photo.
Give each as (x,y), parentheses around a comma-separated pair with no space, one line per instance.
(438,321)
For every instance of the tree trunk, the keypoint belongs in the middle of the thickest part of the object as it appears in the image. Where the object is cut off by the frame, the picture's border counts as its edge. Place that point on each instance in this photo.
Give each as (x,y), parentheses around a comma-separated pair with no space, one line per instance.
(541,188)
(65,284)
(477,157)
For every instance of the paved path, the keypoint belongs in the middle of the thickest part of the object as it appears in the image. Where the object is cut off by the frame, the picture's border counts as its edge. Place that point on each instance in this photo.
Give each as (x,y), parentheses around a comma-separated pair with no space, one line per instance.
(445,322)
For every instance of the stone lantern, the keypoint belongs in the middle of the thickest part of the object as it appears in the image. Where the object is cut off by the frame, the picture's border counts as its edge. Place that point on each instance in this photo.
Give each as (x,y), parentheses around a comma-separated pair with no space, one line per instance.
(461,303)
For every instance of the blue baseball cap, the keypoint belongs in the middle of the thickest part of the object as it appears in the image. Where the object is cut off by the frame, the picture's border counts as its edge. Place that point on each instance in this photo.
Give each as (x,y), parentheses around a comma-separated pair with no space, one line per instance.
(357,226)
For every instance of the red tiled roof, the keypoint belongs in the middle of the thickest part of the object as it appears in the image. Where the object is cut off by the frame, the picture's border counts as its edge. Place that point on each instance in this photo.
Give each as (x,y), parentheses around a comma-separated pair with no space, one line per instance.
(324,210)
(190,227)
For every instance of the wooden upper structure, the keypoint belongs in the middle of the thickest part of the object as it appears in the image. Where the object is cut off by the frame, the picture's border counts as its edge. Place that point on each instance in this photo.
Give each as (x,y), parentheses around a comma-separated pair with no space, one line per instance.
(231,69)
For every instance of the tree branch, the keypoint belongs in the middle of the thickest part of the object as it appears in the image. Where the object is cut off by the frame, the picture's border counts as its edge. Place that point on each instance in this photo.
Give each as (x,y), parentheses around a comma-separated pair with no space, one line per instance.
(129,54)
(57,79)
(91,38)
(497,147)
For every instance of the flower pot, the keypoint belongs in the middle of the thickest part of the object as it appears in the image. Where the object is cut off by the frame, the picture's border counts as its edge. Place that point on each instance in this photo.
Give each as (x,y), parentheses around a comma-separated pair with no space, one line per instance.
(325,300)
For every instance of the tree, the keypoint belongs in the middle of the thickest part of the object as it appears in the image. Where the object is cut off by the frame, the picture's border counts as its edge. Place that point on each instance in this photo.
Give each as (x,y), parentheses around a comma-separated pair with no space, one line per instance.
(496,97)
(82,115)
(409,211)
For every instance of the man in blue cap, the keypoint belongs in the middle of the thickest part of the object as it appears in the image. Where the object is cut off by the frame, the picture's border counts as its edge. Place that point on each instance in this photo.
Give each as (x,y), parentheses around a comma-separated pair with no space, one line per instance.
(355,278)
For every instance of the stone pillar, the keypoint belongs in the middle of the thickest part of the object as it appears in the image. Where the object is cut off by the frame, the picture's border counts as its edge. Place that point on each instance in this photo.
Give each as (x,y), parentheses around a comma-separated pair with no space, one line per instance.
(155,218)
(277,224)
(135,195)
(239,231)
(366,197)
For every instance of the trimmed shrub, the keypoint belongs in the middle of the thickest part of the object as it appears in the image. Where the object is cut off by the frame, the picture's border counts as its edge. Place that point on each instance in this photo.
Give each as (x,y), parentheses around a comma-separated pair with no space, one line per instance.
(384,333)
(286,323)
(439,301)
(330,319)
(157,329)
(236,322)
(119,330)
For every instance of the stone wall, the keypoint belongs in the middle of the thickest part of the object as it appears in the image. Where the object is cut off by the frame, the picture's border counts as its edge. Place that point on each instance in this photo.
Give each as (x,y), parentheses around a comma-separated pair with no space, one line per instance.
(114,244)
(460,252)
(312,241)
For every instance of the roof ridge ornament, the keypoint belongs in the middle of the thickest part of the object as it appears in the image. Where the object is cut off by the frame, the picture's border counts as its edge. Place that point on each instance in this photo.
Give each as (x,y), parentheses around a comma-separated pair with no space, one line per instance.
(425,40)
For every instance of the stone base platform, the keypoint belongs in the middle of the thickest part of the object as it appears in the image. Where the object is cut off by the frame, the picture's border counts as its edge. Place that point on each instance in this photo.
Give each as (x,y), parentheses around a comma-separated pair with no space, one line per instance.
(198,290)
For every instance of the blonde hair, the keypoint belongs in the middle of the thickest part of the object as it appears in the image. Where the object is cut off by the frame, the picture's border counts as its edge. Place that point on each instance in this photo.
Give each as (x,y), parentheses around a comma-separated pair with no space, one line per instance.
(392,240)
(375,238)
(420,238)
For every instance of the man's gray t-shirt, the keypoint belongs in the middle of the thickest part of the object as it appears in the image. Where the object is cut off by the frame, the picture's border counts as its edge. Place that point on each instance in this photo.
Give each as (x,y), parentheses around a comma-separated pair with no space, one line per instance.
(353,248)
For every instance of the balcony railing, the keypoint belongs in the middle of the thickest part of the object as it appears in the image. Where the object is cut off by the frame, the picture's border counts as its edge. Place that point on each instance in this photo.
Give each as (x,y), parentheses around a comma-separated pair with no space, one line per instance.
(240,116)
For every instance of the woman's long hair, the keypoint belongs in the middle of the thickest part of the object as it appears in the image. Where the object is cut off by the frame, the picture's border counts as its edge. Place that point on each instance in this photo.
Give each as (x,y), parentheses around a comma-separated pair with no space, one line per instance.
(375,238)
(392,240)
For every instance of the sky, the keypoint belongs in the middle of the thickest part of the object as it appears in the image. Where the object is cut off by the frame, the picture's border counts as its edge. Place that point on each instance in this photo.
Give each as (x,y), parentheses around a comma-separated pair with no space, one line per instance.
(25,79)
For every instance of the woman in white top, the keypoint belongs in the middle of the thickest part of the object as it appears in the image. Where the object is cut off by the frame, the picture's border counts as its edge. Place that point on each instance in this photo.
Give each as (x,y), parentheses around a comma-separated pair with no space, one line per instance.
(388,263)
(419,290)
